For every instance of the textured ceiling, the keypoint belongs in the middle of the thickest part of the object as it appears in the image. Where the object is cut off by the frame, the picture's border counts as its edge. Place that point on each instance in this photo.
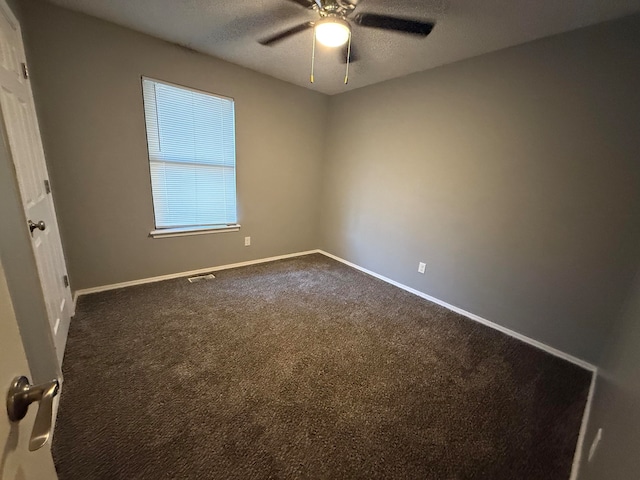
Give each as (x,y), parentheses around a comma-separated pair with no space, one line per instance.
(229,29)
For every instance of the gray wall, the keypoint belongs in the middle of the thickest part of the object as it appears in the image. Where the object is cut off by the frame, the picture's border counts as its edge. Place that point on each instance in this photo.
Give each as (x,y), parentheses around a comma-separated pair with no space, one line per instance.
(515,176)
(615,407)
(86,79)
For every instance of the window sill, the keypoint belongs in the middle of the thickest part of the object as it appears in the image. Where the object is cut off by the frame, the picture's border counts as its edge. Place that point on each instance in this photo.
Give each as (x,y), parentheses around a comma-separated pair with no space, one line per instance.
(185,231)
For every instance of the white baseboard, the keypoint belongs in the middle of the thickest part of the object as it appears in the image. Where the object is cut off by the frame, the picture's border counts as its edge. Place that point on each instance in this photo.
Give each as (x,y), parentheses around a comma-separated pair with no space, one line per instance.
(553,351)
(472,316)
(189,273)
(577,457)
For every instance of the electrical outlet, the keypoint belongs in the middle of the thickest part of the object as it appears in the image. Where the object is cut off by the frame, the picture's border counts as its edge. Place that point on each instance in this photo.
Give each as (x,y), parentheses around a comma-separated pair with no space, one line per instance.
(247,241)
(421,267)
(595,443)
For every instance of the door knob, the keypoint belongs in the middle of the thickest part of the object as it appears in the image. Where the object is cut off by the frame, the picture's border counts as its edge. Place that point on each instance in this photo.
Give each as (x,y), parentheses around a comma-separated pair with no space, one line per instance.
(40,226)
(21,395)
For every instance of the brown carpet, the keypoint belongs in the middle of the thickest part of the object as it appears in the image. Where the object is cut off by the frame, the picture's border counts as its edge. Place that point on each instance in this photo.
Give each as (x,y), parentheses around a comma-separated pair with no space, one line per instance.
(305,368)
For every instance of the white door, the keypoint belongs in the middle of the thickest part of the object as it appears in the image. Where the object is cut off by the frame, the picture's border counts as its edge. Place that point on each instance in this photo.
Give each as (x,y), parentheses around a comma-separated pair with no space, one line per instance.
(17,462)
(19,116)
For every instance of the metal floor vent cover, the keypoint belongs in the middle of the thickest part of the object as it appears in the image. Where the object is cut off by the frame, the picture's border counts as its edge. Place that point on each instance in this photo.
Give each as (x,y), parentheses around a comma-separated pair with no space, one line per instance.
(198,278)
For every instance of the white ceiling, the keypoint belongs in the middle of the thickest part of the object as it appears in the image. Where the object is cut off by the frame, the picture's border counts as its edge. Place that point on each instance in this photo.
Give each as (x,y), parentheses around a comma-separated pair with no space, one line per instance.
(229,29)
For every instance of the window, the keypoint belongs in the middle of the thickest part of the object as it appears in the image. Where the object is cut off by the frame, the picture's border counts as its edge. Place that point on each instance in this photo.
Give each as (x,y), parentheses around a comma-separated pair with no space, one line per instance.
(192,159)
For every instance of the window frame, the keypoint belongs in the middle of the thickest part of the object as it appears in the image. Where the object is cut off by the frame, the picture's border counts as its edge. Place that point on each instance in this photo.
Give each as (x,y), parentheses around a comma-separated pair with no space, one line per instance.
(193,229)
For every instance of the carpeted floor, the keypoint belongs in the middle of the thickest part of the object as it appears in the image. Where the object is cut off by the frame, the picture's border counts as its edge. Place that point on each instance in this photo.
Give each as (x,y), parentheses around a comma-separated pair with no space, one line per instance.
(305,368)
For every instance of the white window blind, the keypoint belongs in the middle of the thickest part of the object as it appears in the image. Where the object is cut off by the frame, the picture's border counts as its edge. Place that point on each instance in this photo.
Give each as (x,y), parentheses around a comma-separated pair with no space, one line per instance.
(192,157)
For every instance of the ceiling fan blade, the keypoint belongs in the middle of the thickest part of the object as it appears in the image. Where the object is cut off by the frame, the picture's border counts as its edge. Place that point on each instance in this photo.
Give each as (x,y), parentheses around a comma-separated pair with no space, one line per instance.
(287,33)
(303,3)
(413,27)
(353,55)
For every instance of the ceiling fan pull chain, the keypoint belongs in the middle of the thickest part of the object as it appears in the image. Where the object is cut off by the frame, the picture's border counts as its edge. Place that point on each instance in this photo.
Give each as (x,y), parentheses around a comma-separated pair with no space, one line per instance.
(346,75)
(313,54)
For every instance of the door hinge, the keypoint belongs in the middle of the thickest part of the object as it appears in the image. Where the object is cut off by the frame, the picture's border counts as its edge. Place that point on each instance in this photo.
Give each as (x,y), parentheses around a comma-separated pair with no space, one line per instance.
(47,186)
(25,71)
(65,279)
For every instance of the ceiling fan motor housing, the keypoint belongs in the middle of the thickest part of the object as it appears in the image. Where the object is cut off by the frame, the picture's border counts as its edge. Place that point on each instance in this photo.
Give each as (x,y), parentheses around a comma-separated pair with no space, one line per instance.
(340,7)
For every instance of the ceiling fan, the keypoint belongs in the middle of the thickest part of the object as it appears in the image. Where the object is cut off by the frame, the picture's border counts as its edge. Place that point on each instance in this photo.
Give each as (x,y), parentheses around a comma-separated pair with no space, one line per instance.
(333,28)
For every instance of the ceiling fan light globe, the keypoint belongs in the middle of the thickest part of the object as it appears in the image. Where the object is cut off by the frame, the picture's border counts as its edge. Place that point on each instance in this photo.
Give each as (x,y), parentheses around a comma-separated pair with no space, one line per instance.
(332,32)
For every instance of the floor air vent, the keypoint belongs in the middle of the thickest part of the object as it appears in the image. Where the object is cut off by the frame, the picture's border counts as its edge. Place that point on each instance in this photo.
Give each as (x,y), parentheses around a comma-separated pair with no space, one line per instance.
(199,278)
